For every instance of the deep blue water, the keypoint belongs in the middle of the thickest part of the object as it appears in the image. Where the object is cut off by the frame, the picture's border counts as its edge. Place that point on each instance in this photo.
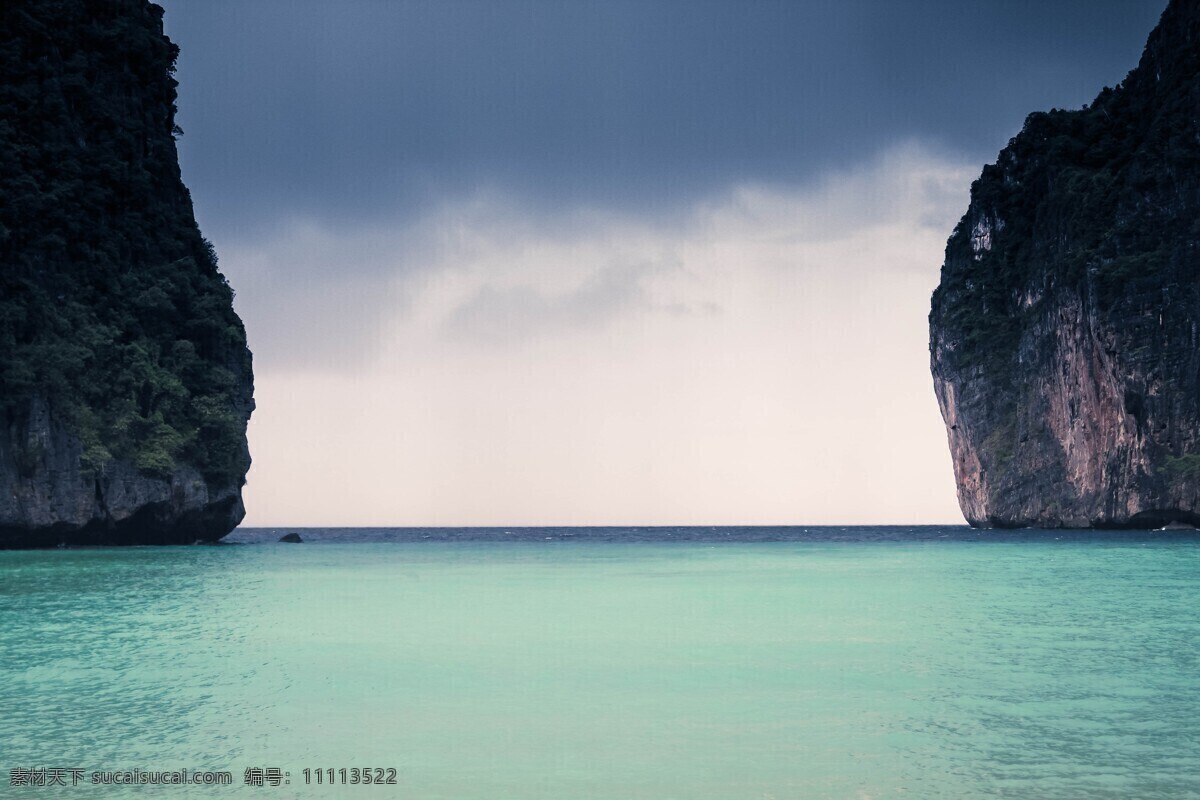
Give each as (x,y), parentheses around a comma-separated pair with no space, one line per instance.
(851,534)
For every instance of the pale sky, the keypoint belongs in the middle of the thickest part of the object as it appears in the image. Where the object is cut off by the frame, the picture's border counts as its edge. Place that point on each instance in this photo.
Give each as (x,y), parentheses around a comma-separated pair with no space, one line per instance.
(602,263)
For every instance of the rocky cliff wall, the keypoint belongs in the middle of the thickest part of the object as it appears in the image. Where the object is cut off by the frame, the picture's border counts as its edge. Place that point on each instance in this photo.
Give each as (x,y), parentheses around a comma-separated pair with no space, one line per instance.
(48,497)
(125,380)
(1063,334)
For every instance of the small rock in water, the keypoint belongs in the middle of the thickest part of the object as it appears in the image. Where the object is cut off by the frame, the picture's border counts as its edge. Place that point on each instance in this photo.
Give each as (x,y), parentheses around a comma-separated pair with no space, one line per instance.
(292,538)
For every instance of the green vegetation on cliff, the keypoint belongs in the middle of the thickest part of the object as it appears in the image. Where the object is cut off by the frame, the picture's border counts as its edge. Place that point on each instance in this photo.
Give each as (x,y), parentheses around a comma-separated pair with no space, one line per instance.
(1096,200)
(111,305)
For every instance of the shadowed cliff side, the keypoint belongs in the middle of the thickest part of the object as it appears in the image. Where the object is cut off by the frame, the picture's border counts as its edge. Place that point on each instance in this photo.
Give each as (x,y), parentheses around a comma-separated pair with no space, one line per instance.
(1063,335)
(126,380)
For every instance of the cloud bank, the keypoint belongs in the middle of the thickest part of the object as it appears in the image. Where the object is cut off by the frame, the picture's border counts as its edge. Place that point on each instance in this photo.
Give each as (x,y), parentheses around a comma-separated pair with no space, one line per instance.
(761,358)
(363,109)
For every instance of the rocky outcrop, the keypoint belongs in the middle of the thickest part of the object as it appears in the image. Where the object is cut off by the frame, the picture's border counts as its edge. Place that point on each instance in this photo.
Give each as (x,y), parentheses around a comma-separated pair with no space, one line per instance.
(48,498)
(126,380)
(1064,333)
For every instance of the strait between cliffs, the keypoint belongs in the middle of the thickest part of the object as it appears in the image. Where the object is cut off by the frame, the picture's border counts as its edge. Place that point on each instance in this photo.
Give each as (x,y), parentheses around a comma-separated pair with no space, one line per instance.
(1064,337)
(126,380)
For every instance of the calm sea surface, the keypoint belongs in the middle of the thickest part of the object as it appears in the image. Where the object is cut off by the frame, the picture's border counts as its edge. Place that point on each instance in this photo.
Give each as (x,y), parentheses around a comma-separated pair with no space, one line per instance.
(614,663)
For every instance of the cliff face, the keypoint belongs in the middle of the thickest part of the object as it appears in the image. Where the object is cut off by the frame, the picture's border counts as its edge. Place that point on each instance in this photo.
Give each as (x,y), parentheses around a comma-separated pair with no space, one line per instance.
(125,380)
(1064,334)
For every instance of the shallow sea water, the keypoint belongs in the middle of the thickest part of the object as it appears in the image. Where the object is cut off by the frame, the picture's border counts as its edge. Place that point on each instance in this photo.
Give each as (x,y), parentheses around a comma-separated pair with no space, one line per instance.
(615,663)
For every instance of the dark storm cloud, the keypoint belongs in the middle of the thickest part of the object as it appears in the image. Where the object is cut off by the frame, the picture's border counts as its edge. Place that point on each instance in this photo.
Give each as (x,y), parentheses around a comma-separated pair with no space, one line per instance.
(363,109)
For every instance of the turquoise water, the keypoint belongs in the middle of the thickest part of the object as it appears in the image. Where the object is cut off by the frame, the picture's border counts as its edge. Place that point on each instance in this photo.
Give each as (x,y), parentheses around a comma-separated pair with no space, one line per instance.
(957,669)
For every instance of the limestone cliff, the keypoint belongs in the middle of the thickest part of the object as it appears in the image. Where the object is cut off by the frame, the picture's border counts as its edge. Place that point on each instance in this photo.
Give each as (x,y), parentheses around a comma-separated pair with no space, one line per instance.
(1064,334)
(125,380)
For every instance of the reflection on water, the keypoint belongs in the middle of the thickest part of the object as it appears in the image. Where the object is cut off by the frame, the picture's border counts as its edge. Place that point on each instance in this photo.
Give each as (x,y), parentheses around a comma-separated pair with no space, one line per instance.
(597,669)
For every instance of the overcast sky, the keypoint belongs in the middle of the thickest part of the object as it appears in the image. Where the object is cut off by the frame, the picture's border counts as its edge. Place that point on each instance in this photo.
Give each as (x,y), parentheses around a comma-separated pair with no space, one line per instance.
(606,262)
